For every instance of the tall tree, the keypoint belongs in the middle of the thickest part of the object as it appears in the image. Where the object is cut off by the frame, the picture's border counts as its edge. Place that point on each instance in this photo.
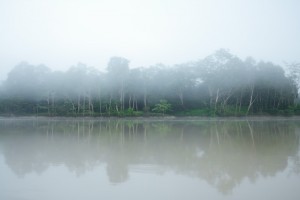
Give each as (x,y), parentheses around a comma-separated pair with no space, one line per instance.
(118,69)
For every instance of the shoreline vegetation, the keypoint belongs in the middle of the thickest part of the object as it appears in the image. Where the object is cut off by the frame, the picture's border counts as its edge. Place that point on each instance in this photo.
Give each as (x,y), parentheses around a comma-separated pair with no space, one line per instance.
(197,113)
(220,85)
(162,119)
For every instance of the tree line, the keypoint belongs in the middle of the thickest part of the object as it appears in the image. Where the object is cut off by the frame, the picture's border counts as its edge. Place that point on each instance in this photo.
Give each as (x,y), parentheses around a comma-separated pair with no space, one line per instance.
(218,85)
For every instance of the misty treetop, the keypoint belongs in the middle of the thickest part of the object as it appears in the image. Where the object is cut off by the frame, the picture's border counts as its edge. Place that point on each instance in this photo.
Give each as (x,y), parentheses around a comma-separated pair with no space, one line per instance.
(220,84)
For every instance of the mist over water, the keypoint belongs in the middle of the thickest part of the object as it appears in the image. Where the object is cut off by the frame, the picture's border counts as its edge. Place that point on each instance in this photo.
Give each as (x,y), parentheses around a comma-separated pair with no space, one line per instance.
(223,159)
(142,113)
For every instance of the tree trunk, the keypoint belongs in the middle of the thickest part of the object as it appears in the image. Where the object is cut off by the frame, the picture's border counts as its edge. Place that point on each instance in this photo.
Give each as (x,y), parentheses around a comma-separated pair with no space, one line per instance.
(180,95)
(48,103)
(83,106)
(251,100)
(229,94)
(100,104)
(78,104)
(241,98)
(145,100)
(53,104)
(109,107)
(129,102)
(216,101)
(210,97)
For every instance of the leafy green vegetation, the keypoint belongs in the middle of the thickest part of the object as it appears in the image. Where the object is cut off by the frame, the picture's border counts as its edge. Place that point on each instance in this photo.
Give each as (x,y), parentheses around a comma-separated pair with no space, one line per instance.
(162,107)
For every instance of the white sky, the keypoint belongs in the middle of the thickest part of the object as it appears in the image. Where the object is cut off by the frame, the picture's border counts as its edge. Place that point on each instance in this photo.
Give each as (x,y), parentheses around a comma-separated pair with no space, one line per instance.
(60,33)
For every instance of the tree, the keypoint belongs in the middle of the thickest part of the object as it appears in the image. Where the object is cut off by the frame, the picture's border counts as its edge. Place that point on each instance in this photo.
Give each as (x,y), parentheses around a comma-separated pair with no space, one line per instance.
(162,107)
(118,69)
(27,81)
(294,75)
(181,81)
(221,83)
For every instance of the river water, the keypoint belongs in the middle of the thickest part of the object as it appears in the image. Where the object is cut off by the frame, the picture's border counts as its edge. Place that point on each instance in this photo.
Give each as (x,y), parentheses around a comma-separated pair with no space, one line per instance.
(256,158)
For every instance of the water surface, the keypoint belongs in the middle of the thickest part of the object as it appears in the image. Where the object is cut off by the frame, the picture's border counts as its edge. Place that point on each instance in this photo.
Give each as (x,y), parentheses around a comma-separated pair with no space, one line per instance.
(149,159)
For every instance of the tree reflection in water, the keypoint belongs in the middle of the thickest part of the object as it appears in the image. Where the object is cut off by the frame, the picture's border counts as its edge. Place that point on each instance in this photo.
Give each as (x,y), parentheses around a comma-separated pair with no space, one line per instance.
(223,153)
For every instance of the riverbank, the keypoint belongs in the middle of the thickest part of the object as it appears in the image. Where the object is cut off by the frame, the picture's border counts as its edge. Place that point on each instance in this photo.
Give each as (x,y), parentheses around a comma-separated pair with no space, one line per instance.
(154,118)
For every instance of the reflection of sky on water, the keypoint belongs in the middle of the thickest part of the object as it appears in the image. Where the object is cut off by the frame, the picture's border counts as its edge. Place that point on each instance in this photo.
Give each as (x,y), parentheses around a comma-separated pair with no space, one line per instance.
(149,161)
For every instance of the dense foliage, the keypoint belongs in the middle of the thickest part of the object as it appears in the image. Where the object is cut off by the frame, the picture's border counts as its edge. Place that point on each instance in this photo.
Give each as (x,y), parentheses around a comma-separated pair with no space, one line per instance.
(220,84)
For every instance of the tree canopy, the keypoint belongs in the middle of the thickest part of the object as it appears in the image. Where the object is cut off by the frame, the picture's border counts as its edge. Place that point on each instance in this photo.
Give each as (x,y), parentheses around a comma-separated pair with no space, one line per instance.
(220,84)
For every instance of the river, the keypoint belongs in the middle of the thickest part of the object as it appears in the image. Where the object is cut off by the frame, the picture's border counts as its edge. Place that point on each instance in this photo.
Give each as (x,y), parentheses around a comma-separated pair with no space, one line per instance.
(62,158)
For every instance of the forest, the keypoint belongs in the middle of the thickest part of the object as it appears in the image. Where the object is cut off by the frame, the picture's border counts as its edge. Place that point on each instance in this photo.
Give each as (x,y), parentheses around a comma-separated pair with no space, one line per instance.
(221,84)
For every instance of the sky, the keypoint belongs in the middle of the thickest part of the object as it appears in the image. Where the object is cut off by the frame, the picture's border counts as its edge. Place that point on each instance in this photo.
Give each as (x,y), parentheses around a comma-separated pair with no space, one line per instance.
(61,33)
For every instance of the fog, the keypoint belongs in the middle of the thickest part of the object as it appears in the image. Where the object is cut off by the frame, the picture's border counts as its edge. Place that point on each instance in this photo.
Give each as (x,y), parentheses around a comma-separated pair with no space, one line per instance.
(219,84)
(60,34)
